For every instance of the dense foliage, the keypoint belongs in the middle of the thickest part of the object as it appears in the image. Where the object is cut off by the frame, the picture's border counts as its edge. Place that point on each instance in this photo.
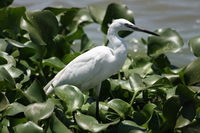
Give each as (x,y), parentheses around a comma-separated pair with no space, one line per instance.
(148,94)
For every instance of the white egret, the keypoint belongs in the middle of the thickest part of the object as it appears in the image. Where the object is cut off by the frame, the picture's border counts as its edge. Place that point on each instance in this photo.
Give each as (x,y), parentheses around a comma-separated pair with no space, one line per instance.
(92,67)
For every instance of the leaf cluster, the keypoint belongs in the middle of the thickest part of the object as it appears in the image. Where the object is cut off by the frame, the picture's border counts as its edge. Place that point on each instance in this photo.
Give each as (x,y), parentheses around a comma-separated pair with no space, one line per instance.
(148,94)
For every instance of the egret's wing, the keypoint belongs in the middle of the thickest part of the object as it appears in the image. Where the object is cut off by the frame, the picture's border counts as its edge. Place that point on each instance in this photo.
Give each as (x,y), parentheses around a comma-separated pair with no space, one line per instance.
(82,69)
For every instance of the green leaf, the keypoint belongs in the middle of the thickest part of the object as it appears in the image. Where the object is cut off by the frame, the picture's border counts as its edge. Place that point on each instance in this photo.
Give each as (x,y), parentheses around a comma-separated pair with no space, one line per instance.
(29,127)
(35,92)
(5,75)
(8,62)
(128,126)
(91,124)
(169,41)
(13,109)
(42,26)
(54,62)
(86,44)
(97,13)
(39,111)
(171,109)
(103,111)
(186,115)
(121,107)
(11,18)
(192,72)
(3,102)
(71,95)
(194,45)
(116,11)
(136,82)
(161,61)
(57,126)
(5,3)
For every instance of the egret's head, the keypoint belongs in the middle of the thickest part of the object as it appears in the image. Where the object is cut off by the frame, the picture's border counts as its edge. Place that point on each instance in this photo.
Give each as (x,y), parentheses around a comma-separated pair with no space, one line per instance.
(125,25)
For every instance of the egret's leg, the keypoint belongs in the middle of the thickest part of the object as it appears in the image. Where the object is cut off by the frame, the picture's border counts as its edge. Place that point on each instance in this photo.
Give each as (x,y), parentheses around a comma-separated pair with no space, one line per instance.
(97,90)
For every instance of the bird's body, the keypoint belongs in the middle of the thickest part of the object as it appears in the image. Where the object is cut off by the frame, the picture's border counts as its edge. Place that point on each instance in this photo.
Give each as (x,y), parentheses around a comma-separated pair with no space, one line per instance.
(91,68)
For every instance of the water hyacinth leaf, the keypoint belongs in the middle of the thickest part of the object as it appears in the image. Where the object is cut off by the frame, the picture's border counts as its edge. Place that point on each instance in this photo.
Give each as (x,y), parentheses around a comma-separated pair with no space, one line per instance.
(171,109)
(71,95)
(86,43)
(169,41)
(42,26)
(149,81)
(39,111)
(97,13)
(13,109)
(56,10)
(136,82)
(53,62)
(161,61)
(5,3)
(192,72)
(116,11)
(103,110)
(57,126)
(148,109)
(3,102)
(186,115)
(7,61)
(194,45)
(128,126)
(91,124)
(11,18)
(35,92)
(6,75)
(121,107)
(29,127)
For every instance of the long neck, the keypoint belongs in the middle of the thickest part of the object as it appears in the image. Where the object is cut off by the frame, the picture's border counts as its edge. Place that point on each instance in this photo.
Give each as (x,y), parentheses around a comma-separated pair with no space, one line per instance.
(119,45)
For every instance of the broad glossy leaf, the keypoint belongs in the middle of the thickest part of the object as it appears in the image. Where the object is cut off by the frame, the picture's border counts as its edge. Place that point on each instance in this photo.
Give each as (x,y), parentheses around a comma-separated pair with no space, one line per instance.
(184,93)
(71,95)
(42,26)
(54,62)
(161,61)
(97,13)
(29,127)
(3,102)
(11,18)
(5,3)
(149,81)
(39,111)
(91,124)
(56,10)
(57,126)
(13,109)
(35,92)
(169,41)
(103,110)
(192,72)
(156,122)
(148,109)
(121,107)
(86,43)
(194,45)
(15,43)
(171,109)
(116,11)
(128,126)
(5,75)
(35,51)
(186,115)
(8,62)
(136,82)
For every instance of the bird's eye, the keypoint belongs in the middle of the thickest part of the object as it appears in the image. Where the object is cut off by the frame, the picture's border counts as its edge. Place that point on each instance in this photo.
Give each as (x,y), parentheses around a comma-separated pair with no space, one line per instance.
(127,25)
